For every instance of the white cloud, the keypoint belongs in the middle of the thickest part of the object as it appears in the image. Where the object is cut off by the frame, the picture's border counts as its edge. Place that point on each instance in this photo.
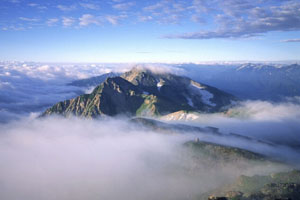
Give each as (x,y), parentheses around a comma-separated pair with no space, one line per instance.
(272,122)
(52,21)
(145,18)
(66,8)
(89,6)
(14,1)
(266,111)
(88,19)
(68,21)
(28,19)
(123,6)
(33,4)
(168,12)
(291,40)
(155,6)
(115,19)
(112,19)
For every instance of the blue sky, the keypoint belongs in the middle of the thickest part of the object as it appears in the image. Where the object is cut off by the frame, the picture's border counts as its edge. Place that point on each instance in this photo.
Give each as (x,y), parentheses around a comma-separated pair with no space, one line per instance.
(149,31)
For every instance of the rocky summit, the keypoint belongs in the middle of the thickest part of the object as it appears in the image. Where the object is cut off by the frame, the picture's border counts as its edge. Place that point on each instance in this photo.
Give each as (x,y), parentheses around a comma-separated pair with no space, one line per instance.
(142,92)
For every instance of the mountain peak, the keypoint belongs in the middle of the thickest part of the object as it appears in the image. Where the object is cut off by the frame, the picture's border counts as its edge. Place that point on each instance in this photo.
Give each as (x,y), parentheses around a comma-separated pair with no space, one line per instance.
(140,75)
(142,92)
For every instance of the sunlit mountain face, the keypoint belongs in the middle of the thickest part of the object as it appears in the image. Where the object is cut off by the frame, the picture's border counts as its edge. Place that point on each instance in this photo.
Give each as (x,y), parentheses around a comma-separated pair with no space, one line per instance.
(163,99)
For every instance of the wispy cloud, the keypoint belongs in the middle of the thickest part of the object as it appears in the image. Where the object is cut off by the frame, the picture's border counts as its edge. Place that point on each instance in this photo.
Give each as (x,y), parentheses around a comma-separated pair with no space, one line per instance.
(89,6)
(167,12)
(115,19)
(14,1)
(291,40)
(28,19)
(66,8)
(12,27)
(33,4)
(123,6)
(68,21)
(242,19)
(52,21)
(155,6)
(87,19)
(145,18)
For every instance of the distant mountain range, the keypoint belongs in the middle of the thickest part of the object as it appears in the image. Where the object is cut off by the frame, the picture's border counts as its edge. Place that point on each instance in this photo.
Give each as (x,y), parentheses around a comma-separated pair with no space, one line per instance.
(249,81)
(144,93)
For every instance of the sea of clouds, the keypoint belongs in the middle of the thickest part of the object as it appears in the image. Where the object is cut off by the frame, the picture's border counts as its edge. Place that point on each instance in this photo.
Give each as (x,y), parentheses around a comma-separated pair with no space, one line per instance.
(28,87)
(58,158)
(32,87)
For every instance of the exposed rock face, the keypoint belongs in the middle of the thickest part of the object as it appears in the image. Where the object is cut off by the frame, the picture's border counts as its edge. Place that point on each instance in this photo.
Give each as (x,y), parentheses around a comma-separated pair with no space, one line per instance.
(142,92)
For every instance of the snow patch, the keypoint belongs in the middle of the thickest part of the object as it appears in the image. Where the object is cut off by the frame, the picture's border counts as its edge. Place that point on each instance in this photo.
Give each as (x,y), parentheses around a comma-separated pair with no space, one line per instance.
(158,85)
(182,116)
(205,95)
(197,86)
(191,117)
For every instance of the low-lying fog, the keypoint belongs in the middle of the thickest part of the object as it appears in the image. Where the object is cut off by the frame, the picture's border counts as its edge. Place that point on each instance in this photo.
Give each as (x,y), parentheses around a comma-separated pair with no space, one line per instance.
(274,122)
(56,158)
